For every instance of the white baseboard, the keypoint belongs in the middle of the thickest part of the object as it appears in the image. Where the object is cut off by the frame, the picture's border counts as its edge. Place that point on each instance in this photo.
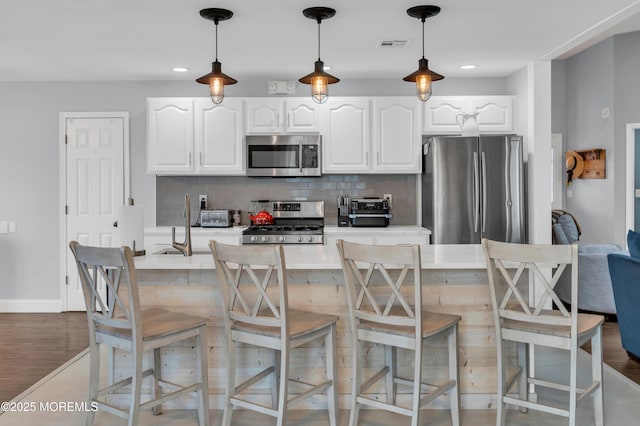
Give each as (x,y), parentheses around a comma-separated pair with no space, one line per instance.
(30,305)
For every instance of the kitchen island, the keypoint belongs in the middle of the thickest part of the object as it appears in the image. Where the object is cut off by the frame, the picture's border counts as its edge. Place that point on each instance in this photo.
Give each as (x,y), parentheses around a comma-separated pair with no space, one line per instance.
(454,281)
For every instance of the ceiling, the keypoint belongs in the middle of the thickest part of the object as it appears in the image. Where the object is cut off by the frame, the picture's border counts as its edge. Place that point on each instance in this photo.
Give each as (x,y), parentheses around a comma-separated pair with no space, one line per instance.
(90,40)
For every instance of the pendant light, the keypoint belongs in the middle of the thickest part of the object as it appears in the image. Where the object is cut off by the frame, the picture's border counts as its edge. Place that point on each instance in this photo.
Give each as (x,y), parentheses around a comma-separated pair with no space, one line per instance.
(216,79)
(319,79)
(423,77)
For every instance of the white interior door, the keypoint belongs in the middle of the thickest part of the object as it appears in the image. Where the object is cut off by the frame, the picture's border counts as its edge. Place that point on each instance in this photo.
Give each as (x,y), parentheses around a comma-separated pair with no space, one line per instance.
(95,187)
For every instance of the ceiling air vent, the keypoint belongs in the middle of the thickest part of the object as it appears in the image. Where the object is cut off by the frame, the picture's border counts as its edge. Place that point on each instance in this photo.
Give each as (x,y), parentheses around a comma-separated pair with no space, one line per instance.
(392,43)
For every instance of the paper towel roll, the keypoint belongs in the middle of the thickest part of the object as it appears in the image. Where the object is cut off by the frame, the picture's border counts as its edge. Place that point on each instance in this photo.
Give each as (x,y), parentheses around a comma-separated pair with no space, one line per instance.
(130,227)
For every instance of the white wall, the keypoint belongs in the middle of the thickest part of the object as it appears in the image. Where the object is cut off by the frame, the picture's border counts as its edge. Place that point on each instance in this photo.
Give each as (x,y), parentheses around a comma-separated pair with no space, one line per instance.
(29,169)
(603,76)
(626,110)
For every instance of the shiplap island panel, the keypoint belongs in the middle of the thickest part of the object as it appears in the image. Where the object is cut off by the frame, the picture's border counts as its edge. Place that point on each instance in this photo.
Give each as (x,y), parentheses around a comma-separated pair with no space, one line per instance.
(454,281)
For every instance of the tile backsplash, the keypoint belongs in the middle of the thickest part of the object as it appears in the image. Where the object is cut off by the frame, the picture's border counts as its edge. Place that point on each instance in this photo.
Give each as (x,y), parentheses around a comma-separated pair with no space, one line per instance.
(235,193)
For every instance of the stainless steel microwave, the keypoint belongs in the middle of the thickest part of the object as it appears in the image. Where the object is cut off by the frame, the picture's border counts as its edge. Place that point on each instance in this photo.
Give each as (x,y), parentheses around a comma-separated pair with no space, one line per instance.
(284,155)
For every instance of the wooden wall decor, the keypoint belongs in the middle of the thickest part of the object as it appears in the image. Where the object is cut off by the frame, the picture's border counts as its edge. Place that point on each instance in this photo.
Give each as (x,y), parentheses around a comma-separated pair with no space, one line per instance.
(594,163)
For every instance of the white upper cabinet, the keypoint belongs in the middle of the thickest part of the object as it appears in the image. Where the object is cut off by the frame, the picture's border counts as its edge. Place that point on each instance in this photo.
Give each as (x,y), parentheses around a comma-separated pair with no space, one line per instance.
(187,136)
(219,139)
(372,135)
(282,115)
(170,135)
(397,138)
(346,135)
(495,113)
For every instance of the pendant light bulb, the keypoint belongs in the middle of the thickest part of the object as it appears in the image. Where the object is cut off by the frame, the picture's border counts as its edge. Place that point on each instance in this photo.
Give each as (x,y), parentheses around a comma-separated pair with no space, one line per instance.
(423,87)
(216,89)
(319,89)
(319,79)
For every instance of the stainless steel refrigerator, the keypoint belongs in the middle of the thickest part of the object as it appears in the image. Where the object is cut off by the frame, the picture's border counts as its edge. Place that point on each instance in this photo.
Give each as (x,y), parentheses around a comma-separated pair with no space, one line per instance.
(472,188)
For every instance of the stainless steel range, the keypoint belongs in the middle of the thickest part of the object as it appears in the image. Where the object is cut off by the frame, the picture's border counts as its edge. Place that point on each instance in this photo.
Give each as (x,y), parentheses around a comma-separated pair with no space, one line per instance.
(291,222)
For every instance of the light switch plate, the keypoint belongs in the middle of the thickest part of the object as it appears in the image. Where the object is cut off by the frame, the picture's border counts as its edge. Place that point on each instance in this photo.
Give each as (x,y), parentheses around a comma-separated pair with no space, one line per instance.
(637,193)
(4,227)
(12,227)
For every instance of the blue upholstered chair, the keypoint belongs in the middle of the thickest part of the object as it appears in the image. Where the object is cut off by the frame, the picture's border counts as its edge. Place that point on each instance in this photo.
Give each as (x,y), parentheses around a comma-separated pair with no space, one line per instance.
(594,284)
(625,278)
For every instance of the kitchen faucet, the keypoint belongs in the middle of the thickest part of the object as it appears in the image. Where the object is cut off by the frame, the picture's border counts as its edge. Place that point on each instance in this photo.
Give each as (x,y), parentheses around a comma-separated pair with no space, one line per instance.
(185,247)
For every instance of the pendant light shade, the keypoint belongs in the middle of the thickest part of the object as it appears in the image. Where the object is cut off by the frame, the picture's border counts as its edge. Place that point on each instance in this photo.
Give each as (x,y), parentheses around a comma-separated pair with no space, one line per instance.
(216,79)
(423,77)
(319,79)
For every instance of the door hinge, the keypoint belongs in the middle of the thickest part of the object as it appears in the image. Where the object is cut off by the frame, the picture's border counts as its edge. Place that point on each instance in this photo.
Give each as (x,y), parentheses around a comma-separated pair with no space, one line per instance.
(66,279)
(66,139)
(66,209)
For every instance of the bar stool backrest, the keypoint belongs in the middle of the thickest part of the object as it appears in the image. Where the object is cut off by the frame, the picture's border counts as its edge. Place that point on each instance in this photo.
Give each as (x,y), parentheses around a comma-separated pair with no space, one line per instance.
(112,268)
(547,262)
(377,294)
(253,283)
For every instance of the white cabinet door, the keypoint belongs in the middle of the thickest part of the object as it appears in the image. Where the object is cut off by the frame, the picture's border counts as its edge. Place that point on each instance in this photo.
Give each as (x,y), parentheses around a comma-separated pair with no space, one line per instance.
(440,114)
(269,115)
(303,115)
(219,138)
(264,115)
(169,135)
(346,136)
(397,136)
(495,113)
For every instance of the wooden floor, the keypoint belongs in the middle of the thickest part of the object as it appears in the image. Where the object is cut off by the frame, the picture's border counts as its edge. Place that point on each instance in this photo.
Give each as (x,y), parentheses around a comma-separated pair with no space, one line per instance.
(33,345)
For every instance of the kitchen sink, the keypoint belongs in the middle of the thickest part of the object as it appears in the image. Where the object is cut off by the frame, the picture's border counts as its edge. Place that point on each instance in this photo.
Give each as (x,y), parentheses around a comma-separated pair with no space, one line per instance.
(173,251)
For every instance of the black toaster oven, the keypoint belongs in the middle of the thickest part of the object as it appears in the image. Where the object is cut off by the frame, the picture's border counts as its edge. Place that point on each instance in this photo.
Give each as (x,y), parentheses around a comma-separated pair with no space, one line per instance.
(370,212)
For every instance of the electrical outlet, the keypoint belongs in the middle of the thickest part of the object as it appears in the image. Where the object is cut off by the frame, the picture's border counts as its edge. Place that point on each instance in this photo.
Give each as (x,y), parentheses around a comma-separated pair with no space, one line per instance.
(390,198)
(12,227)
(202,201)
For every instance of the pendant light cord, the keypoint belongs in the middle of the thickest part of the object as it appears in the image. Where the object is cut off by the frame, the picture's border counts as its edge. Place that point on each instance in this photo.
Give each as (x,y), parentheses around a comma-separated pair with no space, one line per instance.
(216,22)
(319,38)
(423,38)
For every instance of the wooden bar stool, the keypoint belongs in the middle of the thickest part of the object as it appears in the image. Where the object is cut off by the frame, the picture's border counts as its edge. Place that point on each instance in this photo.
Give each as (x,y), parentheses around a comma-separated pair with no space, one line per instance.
(381,313)
(121,324)
(526,325)
(260,316)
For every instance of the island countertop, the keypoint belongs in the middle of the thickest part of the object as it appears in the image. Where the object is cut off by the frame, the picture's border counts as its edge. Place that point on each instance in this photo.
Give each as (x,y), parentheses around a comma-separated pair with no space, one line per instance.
(321,256)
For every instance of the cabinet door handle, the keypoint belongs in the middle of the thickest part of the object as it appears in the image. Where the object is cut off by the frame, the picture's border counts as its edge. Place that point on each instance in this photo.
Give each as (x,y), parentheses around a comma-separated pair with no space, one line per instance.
(189,159)
(200,158)
(288,120)
(278,120)
(366,157)
(378,155)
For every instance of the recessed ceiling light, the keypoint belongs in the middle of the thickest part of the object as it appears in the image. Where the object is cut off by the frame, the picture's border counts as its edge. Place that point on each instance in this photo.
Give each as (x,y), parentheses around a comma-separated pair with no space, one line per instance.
(467,67)
(181,69)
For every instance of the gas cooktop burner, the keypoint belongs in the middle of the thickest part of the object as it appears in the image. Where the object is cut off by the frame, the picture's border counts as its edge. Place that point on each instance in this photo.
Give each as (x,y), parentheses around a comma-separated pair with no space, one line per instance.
(296,222)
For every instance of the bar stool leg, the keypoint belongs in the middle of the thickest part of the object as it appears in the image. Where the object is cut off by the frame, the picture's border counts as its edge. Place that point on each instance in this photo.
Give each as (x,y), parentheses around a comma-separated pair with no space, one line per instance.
(332,374)
(231,381)
(275,379)
(417,383)
(157,374)
(454,374)
(391,385)
(284,387)
(356,381)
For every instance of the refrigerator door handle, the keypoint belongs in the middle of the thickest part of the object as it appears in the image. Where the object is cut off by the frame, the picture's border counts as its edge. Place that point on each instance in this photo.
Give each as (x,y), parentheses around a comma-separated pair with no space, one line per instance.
(476,192)
(483,162)
(508,187)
